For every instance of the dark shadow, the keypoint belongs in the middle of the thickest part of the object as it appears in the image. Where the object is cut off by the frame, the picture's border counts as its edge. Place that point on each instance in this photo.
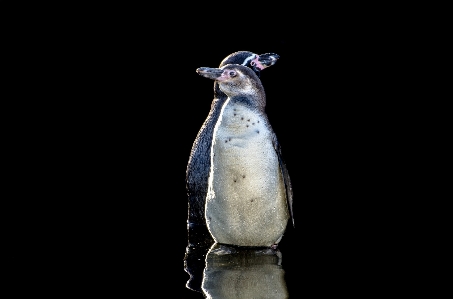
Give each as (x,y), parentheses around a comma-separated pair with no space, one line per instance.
(199,242)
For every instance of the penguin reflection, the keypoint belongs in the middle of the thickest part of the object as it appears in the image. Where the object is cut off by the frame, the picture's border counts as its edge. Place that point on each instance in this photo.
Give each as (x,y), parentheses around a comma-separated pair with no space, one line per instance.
(222,271)
(200,242)
(240,272)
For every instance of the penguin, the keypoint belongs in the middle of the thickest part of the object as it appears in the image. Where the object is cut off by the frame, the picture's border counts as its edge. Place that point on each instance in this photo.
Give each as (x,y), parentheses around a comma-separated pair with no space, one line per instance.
(249,199)
(197,170)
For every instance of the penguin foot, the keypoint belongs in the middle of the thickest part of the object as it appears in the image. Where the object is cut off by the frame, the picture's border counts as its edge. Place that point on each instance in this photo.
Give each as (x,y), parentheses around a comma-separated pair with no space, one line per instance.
(274,246)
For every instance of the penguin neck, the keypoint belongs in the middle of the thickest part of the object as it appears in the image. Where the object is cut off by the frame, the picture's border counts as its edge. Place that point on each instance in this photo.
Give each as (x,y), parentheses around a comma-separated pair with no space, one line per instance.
(250,102)
(218,94)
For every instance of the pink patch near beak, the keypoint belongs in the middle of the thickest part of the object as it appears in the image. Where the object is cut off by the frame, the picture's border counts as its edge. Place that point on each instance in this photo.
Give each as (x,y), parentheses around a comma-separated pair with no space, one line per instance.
(258,63)
(223,77)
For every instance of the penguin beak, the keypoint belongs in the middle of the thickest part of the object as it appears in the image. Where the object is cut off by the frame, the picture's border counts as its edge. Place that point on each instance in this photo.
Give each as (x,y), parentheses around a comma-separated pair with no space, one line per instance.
(210,73)
(268,59)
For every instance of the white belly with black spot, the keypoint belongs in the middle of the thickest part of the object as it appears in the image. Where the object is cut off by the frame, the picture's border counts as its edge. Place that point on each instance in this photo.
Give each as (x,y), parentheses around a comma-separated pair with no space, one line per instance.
(246,203)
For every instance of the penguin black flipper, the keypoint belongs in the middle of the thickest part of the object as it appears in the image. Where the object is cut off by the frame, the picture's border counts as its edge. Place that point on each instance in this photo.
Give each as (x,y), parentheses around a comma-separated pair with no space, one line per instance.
(285,174)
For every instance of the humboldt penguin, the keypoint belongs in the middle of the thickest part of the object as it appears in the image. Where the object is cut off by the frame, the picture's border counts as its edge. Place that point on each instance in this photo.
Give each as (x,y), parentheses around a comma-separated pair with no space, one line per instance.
(197,171)
(249,198)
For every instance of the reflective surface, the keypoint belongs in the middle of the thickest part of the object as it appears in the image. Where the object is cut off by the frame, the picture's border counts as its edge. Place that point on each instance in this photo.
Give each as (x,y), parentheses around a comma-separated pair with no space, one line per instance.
(219,271)
(199,243)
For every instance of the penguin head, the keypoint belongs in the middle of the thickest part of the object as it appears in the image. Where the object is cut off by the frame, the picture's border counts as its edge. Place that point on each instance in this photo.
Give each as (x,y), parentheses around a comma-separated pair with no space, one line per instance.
(235,80)
(254,61)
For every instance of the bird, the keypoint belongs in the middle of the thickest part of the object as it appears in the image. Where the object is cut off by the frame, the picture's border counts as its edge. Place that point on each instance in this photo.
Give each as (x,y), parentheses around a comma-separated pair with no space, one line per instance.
(250,198)
(198,166)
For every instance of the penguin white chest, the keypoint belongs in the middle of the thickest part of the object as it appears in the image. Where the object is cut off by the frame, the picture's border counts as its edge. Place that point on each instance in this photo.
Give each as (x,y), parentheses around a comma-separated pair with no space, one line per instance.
(246,202)
(242,138)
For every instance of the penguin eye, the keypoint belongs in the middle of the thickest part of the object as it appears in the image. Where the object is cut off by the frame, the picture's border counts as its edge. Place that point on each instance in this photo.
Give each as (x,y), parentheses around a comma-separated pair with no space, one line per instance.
(232,74)
(252,63)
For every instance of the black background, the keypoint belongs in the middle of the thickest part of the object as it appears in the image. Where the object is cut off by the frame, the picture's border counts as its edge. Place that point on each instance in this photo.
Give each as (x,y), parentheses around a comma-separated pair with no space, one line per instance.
(130,105)
(147,107)
(149,121)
